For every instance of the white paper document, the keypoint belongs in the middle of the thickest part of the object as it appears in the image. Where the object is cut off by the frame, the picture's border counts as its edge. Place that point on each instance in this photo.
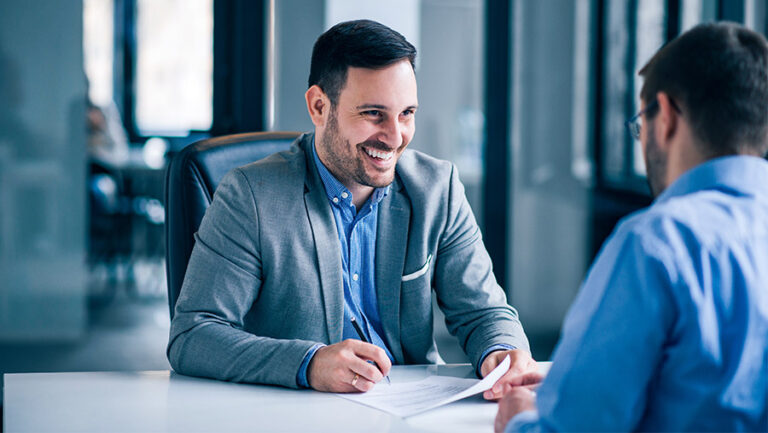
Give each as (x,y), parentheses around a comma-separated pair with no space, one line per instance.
(410,398)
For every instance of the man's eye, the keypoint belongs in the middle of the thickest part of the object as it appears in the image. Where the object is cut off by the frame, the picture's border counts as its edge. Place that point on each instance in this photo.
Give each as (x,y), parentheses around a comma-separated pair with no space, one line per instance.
(372,113)
(409,112)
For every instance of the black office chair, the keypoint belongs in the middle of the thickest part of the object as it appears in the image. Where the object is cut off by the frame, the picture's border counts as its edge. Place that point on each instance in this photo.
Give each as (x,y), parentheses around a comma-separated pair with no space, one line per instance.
(192,176)
(110,227)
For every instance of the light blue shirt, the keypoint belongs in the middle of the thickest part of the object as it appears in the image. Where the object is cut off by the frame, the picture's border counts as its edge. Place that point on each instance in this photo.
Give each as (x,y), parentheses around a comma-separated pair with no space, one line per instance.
(357,237)
(669,331)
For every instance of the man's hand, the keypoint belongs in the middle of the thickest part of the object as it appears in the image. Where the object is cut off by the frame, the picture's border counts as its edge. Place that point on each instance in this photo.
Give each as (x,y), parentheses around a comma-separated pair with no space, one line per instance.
(343,367)
(516,400)
(521,363)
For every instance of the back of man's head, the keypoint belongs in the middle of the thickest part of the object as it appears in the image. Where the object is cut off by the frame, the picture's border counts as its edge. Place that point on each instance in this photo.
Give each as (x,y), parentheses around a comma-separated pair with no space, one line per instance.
(718,74)
(359,44)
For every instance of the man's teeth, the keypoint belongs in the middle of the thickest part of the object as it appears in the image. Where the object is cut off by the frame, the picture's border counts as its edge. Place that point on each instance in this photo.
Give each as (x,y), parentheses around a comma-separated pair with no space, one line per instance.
(380,155)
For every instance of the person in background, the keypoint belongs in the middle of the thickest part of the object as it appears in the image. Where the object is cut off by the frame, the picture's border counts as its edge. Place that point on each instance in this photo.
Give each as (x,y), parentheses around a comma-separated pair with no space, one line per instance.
(107,140)
(669,331)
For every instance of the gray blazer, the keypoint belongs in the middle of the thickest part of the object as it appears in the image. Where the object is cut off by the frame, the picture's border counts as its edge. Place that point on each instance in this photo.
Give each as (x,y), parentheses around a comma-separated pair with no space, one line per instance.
(264,282)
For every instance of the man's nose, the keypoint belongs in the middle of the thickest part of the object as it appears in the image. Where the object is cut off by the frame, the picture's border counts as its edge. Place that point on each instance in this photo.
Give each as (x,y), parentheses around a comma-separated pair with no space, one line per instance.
(391,133)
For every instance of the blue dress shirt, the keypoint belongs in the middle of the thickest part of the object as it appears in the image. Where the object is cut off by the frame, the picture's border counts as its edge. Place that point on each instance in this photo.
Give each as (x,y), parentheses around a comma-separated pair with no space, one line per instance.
(669,331)
(357,236)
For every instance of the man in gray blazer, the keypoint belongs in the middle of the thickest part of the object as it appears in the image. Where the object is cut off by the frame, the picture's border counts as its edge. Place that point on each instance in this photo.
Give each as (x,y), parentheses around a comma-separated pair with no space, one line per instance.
(306,256)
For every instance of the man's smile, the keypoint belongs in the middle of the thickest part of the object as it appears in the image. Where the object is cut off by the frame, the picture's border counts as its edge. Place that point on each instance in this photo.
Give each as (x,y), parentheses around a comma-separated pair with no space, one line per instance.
(378,154)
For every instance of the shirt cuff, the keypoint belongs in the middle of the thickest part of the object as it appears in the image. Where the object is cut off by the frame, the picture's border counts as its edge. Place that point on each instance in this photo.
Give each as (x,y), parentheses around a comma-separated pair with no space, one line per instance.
(488,351)
(301,377)
(526,421)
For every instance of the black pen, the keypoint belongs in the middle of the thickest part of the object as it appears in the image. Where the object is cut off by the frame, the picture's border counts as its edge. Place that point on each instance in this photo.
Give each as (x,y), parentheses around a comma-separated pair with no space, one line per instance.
(362,337)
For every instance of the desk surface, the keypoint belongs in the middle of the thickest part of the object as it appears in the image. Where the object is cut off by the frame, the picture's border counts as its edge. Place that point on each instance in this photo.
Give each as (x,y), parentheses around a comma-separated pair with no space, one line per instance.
(166,401)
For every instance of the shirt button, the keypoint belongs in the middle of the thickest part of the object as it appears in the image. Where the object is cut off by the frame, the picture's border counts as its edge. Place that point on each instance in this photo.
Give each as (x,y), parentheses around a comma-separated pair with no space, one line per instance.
(335,199)
(344,195)
(355,277)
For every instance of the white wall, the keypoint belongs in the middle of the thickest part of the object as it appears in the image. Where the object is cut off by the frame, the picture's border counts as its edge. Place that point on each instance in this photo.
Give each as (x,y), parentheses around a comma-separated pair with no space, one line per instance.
(450,73)
(401,15)
(297,24)
(550,164)
(42,170)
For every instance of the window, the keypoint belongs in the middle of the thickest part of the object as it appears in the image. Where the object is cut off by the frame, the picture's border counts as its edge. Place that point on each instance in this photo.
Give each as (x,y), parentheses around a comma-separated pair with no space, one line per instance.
(633,32)
(649,37)
(756,15)
(174,66)
(696,11)
(98,44)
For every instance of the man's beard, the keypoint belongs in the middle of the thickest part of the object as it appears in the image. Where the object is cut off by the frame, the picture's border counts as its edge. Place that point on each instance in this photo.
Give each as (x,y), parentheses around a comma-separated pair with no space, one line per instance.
(655,163)
(348,167)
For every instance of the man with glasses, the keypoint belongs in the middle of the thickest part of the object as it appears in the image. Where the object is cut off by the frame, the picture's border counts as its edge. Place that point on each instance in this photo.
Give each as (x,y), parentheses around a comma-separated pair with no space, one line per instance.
(670,329)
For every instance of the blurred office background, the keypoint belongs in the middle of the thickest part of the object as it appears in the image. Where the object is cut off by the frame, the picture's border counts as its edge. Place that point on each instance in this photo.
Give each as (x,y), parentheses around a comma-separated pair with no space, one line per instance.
(528,98)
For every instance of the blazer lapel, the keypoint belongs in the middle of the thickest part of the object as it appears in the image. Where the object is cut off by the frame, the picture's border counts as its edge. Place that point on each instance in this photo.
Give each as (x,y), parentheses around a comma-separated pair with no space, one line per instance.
(327,248)
(391,242)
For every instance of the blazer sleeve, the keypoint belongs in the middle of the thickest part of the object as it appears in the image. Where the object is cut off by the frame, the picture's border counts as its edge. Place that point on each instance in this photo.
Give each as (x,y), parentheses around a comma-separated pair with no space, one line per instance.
(474,304)
(222,282)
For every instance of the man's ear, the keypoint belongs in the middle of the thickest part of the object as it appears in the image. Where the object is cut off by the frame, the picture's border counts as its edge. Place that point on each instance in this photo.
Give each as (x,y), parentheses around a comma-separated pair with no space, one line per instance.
(668,118)
(318,105)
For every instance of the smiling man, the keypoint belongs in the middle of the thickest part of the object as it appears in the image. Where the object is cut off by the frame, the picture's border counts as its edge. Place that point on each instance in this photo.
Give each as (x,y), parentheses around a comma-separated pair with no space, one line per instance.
(315,267)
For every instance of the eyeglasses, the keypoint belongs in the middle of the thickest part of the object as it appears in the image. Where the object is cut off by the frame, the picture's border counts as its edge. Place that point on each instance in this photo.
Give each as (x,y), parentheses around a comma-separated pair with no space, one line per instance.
(634,124)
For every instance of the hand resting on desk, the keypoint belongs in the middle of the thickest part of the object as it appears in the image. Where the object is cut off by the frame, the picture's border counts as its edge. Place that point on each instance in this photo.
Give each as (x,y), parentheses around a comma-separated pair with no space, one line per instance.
(522,363)
(333,368)
(517,399)
(519,396)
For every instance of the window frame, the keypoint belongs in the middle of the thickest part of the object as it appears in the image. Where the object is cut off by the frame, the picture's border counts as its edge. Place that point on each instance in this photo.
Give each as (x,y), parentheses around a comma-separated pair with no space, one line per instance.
(238,69)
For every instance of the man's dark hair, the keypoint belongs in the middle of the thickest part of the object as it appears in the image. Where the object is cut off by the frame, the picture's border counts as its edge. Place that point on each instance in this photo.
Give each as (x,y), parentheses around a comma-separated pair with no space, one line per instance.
(718,75)
(359,44)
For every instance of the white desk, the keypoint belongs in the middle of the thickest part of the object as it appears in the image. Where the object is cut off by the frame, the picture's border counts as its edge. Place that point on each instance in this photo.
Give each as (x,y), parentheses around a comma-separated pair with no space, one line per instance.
(165,401)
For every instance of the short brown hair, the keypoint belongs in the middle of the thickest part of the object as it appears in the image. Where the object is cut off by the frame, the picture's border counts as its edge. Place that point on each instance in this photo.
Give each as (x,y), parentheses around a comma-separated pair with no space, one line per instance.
(360,44)
(718,74)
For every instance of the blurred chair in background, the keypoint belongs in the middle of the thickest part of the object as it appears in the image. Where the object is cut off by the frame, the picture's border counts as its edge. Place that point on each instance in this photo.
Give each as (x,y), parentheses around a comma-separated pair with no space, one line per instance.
(126,214)
(109,246)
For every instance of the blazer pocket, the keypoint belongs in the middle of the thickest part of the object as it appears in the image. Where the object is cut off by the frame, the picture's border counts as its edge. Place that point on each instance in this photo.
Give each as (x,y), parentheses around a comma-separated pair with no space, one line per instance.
(420,272)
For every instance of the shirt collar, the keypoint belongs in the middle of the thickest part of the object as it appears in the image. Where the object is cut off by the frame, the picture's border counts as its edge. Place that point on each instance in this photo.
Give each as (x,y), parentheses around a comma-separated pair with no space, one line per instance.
(739,175)
(335,190)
